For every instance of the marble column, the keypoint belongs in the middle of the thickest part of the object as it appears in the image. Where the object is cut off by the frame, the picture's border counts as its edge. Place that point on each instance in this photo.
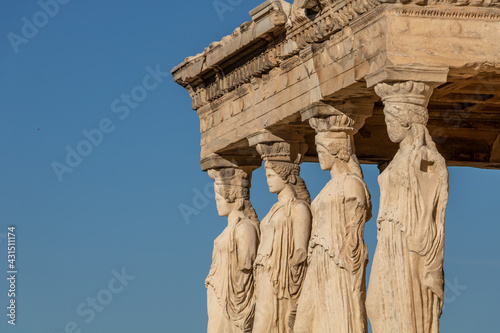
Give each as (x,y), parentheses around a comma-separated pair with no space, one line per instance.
(230,282)
(406,287)
(280,266)
(333,296)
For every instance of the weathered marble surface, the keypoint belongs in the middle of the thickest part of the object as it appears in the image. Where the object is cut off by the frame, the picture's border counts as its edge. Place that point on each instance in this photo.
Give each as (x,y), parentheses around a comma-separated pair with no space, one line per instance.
(406,289)
(334,292)
(267,91)
(280,266)
(282,61)
(230,282)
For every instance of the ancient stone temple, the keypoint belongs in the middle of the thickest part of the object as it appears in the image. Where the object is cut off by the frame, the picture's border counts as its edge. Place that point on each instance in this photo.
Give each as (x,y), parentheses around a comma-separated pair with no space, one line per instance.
(412,86)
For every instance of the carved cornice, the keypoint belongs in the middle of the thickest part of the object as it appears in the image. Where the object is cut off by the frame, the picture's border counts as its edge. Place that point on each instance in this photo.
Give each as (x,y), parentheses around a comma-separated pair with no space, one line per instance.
(297,38)
(321,5)
(267,19)
(449,12)
(225,83)
(332,18)
(291,32)
(457,3)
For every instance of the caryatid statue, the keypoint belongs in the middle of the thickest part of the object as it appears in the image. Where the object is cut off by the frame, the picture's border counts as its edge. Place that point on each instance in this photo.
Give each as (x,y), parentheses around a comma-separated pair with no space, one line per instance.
(334,292)
(406,287)
(230,283)
(280,267)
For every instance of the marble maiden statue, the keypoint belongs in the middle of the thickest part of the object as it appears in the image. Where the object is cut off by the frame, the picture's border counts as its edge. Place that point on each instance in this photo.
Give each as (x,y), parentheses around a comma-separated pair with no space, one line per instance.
(333,295)
(280,266)
(230,283)
(406,288)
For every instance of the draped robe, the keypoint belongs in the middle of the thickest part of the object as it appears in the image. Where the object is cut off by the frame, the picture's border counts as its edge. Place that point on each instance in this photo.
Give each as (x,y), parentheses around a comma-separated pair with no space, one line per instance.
(278,283)
(406,288)
(230,291)
(333,295)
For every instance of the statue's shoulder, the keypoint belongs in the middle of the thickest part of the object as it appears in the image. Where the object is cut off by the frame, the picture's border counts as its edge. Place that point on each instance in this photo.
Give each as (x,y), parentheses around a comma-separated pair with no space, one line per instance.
(300,205)
(354,187)
(353,179)
(247,226)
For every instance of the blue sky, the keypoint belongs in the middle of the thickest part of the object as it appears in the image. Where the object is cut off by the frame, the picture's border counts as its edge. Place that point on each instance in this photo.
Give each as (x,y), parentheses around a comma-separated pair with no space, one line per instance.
(111,229)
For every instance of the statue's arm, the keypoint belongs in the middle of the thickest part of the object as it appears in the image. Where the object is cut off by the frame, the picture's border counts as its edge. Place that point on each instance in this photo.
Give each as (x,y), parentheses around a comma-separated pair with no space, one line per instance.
(353,248)
(301,227)
(247,242)
(355,200)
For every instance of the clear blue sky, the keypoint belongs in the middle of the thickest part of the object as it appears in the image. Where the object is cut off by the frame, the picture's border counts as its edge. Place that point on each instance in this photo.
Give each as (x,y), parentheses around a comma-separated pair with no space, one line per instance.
(119,206)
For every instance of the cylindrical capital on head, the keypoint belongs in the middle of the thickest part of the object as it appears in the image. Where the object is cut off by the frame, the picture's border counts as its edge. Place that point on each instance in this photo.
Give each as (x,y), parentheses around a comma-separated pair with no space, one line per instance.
(230,177)
(231,183)
(342,122)
(282,151)
(339,144)
(410,92)
(407,101)
(340,116)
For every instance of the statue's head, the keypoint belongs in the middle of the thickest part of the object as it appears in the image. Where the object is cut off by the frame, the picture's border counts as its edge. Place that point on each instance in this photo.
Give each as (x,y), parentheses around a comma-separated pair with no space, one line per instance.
(232,189)
(400,117)
(405,106)
(282,161)
(280,174)
(331,146)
